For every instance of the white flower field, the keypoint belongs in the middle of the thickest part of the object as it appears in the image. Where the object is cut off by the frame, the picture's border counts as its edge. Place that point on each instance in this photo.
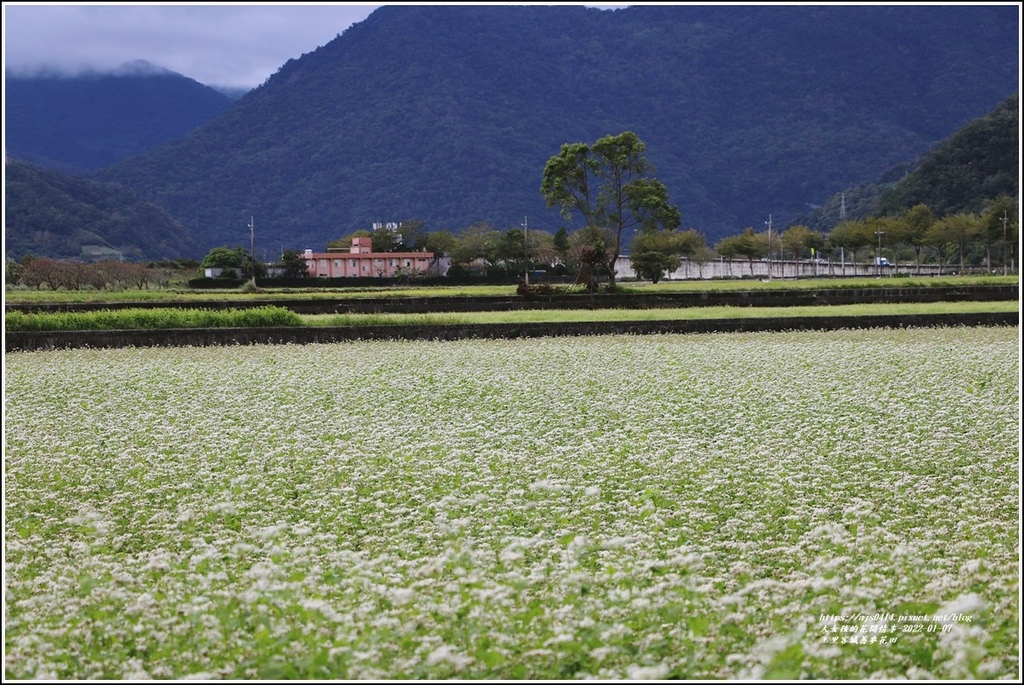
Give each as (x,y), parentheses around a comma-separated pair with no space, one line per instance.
(724,506)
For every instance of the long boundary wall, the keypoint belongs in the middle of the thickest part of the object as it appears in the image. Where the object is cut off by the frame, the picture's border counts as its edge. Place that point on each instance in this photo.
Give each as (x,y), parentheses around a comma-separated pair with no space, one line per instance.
(787,268)
(733,298)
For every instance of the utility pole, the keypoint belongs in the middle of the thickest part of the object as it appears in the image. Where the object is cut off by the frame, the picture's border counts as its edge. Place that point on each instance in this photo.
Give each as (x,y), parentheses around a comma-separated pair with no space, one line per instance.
(1005,219)
(526,254)
(769,222)
(878,255)
(252,250)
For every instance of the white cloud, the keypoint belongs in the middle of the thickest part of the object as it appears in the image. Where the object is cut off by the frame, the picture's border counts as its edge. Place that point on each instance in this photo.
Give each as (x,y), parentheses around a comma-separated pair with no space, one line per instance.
(238,45)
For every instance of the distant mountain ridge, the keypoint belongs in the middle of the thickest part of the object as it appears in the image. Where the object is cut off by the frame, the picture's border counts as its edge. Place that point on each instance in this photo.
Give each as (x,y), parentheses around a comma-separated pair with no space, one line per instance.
(89,121)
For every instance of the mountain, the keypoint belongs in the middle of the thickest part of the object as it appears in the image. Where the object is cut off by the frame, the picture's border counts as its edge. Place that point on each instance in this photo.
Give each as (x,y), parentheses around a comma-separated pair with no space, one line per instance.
(448,114)
(54,214)
(978,162)
(89,121)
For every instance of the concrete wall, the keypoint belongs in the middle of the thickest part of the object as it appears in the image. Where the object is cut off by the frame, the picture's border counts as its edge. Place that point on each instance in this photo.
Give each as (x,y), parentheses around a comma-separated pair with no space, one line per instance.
(737,298)
(743,268)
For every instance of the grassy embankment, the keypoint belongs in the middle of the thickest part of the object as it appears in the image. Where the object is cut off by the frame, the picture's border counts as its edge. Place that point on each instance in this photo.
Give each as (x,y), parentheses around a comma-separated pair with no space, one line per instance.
(15,296)
(271,316)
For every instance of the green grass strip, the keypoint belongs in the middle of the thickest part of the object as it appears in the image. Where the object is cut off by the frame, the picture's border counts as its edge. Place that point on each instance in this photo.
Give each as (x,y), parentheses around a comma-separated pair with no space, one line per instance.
(142,318)
(682,313)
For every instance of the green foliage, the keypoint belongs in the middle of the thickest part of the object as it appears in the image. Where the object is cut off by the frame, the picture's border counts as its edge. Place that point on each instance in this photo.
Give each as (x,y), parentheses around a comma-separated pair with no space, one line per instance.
(294,264)
(747,244)
(607,185)
(225,258)
(159,318)
(651,265)
(668,242)
(345,242)
(797,241)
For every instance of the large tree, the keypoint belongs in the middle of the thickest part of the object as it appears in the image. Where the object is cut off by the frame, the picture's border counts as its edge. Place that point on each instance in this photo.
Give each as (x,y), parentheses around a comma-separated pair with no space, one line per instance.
(655,252)
(294,264)
(956,229)
(916,221)
(607,184)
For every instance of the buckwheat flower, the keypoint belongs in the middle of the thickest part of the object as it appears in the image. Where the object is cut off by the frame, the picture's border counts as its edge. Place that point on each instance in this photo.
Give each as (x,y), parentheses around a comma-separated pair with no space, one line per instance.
(511,554)
(133,670)
(991,668)
(445,654)
(617,542)
(963,607)
(546,485)
(224,508)
(270,532)
(401,595)
(657,672)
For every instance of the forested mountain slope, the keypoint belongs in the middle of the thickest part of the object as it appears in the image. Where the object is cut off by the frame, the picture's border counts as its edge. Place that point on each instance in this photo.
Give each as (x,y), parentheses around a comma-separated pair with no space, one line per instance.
(977,163)
(447,114)
(50,213)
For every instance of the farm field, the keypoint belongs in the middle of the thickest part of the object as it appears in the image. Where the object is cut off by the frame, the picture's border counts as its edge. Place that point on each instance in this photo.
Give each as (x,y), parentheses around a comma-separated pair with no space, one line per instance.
(796,505)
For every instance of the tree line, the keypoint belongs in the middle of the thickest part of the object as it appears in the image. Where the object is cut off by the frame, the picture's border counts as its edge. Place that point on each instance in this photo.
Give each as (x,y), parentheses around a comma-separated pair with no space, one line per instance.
(608,184)
(73,274)
(915,236)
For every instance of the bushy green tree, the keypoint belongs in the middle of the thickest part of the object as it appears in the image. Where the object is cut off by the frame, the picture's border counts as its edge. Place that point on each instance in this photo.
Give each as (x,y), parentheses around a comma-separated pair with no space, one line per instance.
(656,251)
(294,264)
(957,230)
(850,235)
(225,258)
(652,265)
(916,222)
(607,185)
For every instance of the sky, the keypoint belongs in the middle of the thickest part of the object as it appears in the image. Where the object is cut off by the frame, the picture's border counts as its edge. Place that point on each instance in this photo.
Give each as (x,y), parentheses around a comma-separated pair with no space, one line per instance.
(236,45)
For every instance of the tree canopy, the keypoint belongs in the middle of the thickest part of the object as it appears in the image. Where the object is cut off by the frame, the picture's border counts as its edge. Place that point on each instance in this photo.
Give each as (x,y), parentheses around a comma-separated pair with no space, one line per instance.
(608,186)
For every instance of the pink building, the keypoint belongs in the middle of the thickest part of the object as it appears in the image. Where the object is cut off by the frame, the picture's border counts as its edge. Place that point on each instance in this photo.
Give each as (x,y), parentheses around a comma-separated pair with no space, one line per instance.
(361,260)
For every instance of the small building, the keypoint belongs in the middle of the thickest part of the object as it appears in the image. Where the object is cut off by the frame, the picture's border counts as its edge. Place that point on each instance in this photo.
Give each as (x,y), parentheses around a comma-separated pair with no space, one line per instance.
(226,272)
(362,261)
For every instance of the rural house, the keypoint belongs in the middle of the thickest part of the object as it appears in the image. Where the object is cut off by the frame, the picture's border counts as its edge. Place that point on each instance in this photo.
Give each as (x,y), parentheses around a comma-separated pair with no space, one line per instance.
(362,261)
